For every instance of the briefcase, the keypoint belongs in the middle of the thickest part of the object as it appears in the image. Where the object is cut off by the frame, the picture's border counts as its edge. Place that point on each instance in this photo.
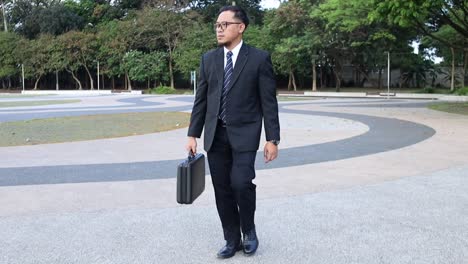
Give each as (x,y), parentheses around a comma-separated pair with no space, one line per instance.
(190,178)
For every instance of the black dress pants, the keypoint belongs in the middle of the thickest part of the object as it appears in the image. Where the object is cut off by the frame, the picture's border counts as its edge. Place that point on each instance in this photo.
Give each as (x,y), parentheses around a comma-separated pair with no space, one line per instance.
(232,173)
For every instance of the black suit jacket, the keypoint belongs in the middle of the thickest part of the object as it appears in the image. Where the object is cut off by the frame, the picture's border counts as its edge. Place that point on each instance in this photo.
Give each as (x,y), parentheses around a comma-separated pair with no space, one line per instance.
(251,97)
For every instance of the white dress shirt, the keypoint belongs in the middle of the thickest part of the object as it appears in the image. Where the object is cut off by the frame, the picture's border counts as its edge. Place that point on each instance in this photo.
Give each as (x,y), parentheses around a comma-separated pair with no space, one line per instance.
(235,53)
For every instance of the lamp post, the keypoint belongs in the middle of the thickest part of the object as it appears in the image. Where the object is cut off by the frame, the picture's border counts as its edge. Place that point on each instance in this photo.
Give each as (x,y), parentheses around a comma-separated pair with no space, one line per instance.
(22,74)
(98,75)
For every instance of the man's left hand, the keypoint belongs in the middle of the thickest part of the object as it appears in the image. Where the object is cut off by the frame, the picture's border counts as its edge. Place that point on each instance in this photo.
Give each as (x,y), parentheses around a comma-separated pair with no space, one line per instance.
(270,152)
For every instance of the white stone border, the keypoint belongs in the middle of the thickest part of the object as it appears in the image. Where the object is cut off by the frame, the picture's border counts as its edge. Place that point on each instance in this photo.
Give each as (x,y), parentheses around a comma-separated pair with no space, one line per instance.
(78,92)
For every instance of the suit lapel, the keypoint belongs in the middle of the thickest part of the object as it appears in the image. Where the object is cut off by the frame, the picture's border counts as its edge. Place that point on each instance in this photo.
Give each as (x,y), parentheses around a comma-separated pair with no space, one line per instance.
(239,66)
(219,68)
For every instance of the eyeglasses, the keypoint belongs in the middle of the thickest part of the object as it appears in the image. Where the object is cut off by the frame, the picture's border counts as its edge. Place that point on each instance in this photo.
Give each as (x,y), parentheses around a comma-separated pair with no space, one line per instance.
(223,25)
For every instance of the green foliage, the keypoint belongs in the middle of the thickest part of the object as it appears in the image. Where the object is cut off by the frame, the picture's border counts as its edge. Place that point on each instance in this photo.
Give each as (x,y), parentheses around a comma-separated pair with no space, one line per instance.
(162,90)
(33,18)
(8,49)
(209,9)
(59,19)
(94,12)
(427,16)
(427,90)
(114,40)
(153,41)
(257,36)
(462,91)
(199,39)
(36,56)
(146,66)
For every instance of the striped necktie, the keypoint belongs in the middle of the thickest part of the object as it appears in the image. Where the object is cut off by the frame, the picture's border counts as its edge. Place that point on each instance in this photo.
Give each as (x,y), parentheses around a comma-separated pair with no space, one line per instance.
(227,79)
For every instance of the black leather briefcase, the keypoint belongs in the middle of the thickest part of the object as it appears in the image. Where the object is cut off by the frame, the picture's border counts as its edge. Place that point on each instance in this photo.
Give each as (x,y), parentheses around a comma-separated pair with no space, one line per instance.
(190,178)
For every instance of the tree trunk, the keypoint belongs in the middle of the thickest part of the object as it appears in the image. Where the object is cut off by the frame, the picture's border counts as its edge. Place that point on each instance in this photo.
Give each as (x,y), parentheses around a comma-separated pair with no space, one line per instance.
(355,76)
(129,82)
(338,72)
(76,79)
(113,83)
(338,81)
(4,17)
(293,81)
(465,62)
(289,81)
(171,71)
(314,76)
(452,78)
(91,80)
(338,75)
(321,77)
(380,79)
(37,82)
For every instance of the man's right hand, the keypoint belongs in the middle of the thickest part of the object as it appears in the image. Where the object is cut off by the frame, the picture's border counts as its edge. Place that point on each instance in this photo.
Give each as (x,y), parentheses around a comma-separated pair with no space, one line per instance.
(191,145)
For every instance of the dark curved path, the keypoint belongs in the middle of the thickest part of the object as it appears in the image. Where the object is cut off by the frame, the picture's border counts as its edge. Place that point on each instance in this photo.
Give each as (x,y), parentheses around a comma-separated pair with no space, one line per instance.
(384,134)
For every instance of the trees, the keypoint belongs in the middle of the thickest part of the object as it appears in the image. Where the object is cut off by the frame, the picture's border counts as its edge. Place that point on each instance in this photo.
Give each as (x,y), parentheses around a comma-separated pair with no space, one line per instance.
(425,15)
(8,59)
(452,54)
(132,39)
(79,49)
(291,26)
(147,67)
(114,41)
(209,9)
(442,20)
(200,38)
(32,18)
(35,57)
(164,27)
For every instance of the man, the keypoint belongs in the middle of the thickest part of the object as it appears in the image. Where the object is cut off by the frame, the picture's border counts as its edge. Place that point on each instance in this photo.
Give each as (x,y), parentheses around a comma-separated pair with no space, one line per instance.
(235,91)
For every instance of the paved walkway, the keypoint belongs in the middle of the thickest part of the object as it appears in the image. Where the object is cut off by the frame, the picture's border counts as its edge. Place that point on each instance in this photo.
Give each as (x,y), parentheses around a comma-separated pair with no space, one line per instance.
(357,181)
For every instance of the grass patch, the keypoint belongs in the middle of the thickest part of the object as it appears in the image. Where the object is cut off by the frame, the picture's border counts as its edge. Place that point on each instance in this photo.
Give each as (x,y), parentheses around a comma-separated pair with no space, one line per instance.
(37,103)
(67,129)
(17,95)
(454,108)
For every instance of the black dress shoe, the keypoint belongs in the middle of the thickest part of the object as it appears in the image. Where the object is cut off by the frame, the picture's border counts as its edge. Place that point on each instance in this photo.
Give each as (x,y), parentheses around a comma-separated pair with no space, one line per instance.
(250,244)
(230,249)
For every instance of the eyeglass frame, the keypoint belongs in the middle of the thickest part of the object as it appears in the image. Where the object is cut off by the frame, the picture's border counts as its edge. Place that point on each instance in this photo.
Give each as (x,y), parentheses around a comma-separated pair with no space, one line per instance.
(224,24)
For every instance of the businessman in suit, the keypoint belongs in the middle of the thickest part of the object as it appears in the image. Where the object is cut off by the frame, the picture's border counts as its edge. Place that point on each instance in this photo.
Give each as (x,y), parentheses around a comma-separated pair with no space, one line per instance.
(236,90)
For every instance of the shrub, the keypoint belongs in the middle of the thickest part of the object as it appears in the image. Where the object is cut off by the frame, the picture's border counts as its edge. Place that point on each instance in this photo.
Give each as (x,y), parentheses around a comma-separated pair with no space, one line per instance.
(162,90)
(462,91)
(428,90)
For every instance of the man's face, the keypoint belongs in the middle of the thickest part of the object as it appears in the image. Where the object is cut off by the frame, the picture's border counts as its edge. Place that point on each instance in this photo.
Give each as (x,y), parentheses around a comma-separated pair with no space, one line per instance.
(233,31)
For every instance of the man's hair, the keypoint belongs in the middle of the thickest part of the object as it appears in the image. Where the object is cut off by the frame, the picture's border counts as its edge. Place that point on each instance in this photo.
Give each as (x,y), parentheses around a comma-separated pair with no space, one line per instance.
(239,13)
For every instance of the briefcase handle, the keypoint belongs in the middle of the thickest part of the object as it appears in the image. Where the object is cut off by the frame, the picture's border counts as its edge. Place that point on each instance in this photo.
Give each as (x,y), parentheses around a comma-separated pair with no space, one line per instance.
(191,156)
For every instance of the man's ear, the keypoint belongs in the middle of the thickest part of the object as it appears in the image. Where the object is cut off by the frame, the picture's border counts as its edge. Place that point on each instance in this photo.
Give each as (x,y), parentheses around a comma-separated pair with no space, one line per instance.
(241,28)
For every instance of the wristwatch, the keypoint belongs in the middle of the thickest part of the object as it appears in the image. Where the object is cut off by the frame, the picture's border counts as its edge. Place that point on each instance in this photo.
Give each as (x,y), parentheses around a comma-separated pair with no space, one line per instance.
(275,142)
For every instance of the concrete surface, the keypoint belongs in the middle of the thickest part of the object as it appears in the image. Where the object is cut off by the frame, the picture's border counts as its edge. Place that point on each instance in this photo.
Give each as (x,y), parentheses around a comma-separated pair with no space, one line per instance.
(357,181)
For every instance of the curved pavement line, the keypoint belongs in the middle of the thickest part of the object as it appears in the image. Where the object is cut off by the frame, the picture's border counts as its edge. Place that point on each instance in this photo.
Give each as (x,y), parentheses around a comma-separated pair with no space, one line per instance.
(131,102)
(384,134)
(28,116)
(383,105)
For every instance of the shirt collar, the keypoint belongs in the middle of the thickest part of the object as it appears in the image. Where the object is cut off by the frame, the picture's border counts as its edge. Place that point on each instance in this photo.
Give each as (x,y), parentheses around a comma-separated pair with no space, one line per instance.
(235,50)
